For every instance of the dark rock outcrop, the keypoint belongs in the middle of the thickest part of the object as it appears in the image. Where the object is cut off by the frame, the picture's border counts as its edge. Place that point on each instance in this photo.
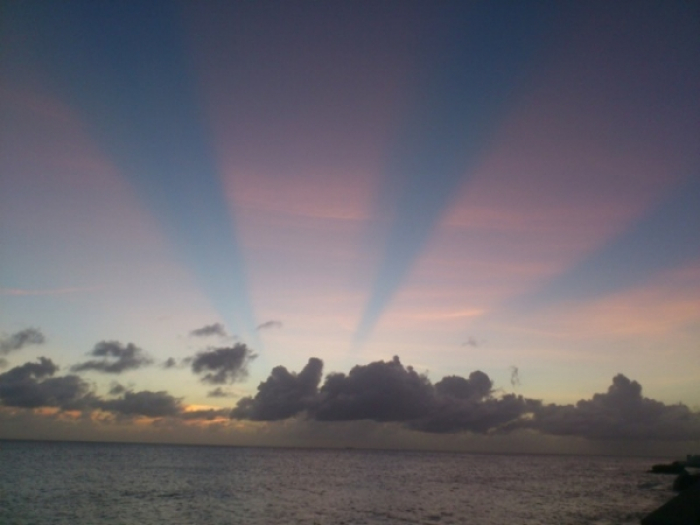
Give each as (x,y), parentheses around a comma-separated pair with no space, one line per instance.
(677,467)
(684,509)
(685,481)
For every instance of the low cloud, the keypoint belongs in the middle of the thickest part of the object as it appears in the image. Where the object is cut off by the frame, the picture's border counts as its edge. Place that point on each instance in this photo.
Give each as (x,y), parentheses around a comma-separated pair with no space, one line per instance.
(31,385)
(283,395)
(144,403)
(380,391)
(383,392)
(389,392)
(18,340)
(206,414)
(620,413)
(269,325)
(216,329)
(116,358)
(219,366)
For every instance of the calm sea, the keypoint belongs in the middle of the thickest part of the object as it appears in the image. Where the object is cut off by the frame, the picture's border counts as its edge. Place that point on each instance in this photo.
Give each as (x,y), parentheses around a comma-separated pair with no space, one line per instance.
(83,483)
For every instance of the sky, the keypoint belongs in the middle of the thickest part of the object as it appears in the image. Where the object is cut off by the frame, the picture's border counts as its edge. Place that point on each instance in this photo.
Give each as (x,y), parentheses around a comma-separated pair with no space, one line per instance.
(402,224)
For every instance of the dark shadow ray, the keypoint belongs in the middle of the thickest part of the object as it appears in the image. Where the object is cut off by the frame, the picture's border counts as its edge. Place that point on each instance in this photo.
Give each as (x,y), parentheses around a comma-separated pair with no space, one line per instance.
(666,238)
(124,68)
(473,59)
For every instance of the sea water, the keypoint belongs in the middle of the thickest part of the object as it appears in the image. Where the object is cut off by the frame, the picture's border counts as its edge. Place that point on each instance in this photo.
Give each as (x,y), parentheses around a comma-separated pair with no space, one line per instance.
(101,483)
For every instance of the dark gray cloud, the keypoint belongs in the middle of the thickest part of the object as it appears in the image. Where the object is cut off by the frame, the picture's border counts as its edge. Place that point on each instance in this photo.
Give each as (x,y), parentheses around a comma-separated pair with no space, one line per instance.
(391,392)
(478,415)
(380,391)
(216,329)
(170,362)
(144,403)
(268,325)
(620,413)
(44,368)
(384,392)
(219,392)
(283,395)
(223,365)
(31,386)
(18,340)
(478,386)
(116,358)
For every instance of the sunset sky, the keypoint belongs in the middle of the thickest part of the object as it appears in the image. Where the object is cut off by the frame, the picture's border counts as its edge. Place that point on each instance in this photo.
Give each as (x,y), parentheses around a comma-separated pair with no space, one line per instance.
(195,193)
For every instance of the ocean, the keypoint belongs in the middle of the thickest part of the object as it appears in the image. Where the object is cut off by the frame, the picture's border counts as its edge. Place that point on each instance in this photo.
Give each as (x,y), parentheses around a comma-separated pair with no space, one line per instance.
(47,483)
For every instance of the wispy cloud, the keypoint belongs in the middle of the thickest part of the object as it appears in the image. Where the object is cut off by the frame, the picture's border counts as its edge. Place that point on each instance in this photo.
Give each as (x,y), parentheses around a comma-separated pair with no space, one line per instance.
(18,340)
(269,325)
(514,376)
(215,329)
(220,392)
(471,341)
(116,358)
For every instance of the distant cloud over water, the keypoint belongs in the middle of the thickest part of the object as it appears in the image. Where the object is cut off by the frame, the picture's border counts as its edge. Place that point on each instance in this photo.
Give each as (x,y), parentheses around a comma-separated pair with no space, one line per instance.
(381,391)
(31,385)
(283,395)
(145,403)
(391,392)
(620,413)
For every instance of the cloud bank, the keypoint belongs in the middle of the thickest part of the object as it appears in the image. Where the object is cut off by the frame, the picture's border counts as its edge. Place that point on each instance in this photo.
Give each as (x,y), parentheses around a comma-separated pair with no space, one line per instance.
(383,392)
(391,392)
(33,385)
(620,413)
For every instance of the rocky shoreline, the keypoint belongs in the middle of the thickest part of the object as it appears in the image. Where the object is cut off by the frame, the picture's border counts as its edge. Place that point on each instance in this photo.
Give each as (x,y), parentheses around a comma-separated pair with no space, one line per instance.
(683,509)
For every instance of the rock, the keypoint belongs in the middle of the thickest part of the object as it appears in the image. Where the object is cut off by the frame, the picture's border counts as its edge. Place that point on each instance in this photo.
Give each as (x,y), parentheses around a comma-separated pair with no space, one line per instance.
(684,509)
(685,481)
(677,467)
